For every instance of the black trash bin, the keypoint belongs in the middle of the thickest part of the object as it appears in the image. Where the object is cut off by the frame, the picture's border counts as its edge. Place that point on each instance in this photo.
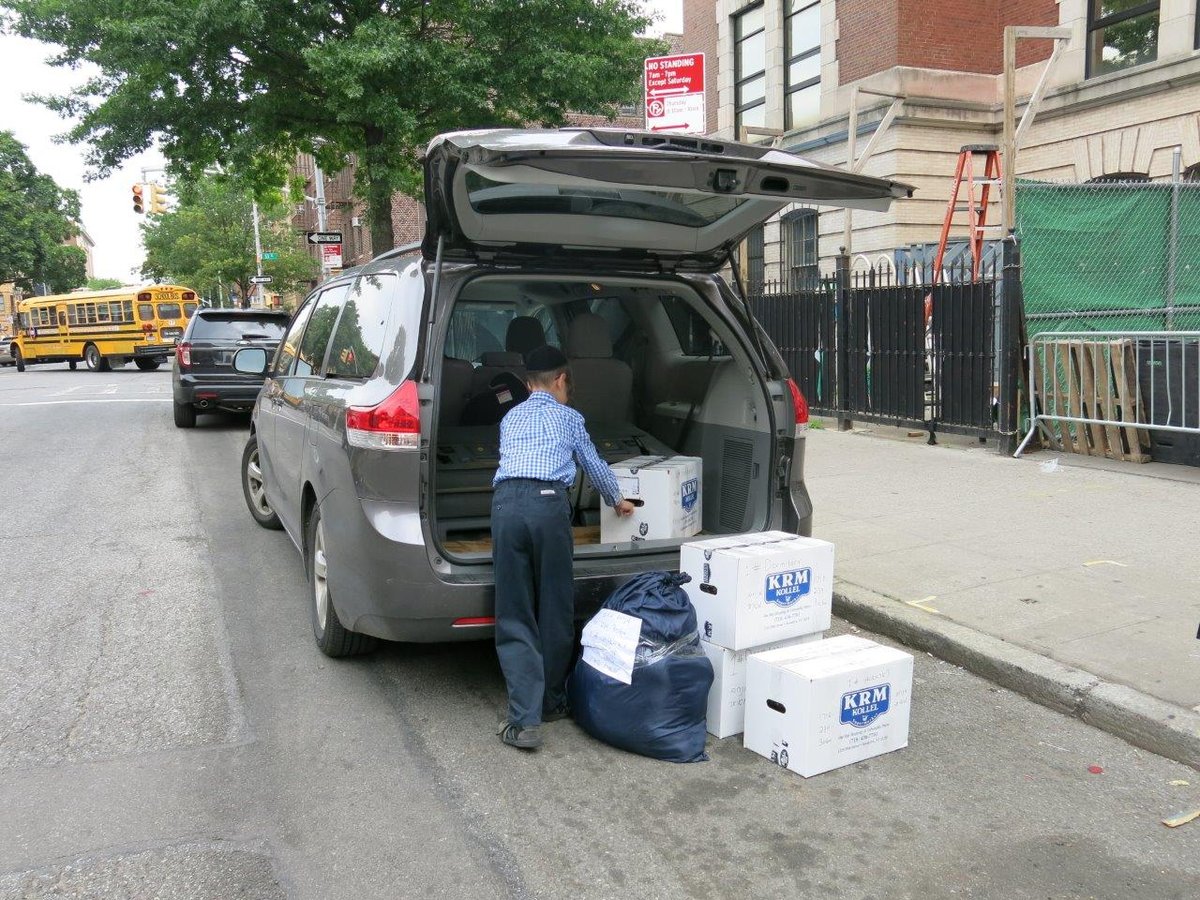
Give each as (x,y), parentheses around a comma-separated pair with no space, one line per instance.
(1169,373)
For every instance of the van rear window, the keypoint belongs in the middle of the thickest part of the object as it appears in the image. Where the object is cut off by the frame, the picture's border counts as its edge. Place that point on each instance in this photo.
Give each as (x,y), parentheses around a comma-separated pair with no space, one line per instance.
(237,328)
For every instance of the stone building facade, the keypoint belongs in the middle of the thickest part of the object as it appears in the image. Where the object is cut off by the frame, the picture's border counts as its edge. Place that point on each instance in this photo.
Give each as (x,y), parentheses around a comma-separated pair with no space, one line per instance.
(1123,96)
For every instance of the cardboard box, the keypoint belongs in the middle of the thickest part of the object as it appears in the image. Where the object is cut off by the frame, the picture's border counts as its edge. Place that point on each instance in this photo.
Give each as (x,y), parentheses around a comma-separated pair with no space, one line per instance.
(757,591)
(667,493)
(727,696)
(824,705)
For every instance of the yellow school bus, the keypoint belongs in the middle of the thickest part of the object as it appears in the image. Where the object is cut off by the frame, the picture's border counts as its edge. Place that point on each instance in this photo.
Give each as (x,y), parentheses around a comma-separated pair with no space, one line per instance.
(103,328)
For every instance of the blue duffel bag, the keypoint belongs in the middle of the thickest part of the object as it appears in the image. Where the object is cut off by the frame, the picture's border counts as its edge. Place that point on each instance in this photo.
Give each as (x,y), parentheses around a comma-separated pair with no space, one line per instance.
(661,712)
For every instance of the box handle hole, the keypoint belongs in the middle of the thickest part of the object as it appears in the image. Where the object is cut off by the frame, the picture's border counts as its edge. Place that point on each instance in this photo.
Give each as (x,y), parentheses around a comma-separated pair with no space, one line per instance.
(777,706)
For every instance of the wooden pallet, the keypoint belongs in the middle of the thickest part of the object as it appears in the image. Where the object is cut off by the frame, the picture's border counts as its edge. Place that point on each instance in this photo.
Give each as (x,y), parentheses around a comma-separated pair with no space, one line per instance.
(1094,380)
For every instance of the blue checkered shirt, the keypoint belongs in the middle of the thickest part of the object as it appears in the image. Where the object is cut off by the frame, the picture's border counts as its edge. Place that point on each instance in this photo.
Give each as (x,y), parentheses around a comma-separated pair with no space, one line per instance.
(542,439)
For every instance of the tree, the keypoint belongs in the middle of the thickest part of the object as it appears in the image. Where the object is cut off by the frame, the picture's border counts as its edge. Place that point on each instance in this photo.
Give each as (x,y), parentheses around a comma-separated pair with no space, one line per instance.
(36,217)
(209,239)
(103,284)
(248,83)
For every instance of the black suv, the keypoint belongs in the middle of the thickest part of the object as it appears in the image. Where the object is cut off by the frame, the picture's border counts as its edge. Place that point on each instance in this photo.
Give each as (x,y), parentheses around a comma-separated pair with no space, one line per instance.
(203,377)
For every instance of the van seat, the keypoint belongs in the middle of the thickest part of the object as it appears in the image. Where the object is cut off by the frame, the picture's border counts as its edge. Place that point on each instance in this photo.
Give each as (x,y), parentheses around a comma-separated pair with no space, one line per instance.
(603,386)
(457,377)
(494,363)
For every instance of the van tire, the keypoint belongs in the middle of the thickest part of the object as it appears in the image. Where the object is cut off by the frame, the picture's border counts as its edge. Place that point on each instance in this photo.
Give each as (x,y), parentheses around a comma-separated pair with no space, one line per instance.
(146,364)
(254,487)
(333,638)
(18,359)
(185,415)
(93,360)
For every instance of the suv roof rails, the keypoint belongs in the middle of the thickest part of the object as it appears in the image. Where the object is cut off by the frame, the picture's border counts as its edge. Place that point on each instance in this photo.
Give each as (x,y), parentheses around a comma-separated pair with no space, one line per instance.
(412,249)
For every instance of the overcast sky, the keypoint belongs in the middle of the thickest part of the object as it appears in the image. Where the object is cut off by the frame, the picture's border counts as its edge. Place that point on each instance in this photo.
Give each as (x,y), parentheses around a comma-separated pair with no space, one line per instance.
(108,214)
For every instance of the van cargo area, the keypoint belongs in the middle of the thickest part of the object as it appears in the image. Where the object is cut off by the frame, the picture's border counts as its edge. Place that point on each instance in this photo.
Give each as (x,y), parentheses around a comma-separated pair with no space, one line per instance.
(656,371)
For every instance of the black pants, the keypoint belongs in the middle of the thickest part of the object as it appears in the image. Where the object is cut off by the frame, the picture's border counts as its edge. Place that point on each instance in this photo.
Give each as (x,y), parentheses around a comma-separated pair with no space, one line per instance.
(532,551)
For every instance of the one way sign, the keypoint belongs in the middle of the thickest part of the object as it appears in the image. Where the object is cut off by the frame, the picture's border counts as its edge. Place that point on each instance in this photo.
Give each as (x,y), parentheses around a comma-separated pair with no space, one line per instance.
(324,237)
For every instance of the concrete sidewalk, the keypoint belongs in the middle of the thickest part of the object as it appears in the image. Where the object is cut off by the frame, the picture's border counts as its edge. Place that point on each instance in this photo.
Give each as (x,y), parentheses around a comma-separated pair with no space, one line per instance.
(1077,583)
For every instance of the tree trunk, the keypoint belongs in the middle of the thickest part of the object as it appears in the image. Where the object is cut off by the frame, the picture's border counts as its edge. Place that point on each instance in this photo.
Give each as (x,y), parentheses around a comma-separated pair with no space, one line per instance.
(379,193)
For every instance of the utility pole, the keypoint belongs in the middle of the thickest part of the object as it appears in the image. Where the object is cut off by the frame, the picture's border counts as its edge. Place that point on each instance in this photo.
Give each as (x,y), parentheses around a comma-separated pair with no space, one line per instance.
(319,178)
(257,254)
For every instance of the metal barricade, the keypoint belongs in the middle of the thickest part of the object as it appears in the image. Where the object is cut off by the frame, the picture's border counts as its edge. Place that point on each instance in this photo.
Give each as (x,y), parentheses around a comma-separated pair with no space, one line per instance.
(1121,394)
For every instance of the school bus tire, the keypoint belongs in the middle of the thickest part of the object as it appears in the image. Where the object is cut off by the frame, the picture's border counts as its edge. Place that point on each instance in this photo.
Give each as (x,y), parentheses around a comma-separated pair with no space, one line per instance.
(93,360)
(146,364)
(72,364)
(18,359)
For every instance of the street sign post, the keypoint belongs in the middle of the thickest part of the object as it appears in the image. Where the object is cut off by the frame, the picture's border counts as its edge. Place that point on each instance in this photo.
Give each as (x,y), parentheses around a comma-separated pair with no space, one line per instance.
(260,279)
(270,255)
(324,237)
(675,99)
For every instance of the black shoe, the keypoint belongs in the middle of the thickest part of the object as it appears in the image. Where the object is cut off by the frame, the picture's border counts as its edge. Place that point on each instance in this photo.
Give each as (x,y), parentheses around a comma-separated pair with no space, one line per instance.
(560,713)
(525,737)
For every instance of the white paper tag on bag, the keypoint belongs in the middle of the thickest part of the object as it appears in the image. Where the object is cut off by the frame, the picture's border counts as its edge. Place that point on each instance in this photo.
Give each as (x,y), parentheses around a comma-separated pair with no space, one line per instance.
(610,642)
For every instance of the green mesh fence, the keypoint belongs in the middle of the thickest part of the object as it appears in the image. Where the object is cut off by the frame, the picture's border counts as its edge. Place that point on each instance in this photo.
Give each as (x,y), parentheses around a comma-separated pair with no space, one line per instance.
(1112,257)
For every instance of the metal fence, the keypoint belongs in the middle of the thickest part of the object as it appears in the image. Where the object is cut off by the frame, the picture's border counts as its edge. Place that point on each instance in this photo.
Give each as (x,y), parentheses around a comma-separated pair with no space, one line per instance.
(1121,256)
(883,345)
(1125,395)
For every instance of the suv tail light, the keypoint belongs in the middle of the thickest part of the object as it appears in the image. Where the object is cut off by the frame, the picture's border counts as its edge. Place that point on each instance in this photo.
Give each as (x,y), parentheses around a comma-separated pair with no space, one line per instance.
(183,353)
(394,424)
(799,405)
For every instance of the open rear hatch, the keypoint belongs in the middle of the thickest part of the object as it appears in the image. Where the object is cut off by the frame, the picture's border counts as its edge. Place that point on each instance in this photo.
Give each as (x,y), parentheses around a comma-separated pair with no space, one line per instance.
(641,198)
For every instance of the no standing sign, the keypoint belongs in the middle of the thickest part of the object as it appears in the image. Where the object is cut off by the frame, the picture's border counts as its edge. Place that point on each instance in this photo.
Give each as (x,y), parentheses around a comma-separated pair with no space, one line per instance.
(675,93)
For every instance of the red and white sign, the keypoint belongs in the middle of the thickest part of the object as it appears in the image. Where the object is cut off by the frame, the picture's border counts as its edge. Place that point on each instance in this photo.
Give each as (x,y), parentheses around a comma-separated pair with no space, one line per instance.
(331,256)
(675,93)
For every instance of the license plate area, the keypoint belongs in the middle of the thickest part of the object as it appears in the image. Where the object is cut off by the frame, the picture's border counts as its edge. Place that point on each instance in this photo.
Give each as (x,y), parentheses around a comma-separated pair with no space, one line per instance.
(170,334)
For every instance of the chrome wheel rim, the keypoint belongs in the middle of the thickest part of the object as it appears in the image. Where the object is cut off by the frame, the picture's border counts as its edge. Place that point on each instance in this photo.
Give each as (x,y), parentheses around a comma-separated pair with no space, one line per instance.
(254,481)
(320,582)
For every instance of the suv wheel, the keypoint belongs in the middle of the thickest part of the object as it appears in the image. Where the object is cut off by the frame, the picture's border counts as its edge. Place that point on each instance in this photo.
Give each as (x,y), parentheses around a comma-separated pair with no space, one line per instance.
(254,487)
(185,415)
(333,638)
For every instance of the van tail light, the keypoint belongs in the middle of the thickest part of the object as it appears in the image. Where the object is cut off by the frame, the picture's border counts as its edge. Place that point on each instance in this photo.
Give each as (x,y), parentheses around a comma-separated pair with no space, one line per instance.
(394,424)
(799,405)
(183,353)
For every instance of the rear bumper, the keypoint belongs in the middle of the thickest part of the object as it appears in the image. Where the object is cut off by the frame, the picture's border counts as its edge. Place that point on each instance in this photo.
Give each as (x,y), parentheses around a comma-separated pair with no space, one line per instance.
(152,351)
(224,392)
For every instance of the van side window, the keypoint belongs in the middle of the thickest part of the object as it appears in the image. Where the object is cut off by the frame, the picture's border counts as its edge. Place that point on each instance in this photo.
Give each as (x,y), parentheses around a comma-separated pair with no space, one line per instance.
(286,354)
(695,336)
(358,340)
(320,329)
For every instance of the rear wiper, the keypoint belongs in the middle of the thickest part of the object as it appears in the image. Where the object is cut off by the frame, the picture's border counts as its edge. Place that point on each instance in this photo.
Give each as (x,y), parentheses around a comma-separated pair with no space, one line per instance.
(255,336)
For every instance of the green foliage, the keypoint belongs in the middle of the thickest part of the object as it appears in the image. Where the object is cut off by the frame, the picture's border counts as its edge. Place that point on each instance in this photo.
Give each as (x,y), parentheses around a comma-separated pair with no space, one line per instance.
(103,284)
(248,83)
(36,216)
(209,239)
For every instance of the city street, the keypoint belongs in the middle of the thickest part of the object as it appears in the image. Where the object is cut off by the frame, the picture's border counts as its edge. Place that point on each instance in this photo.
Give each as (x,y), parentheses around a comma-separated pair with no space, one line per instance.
(168,729)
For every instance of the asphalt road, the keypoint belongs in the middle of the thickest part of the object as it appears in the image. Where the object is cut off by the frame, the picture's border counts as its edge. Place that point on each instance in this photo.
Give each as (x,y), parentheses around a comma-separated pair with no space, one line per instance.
(168,730)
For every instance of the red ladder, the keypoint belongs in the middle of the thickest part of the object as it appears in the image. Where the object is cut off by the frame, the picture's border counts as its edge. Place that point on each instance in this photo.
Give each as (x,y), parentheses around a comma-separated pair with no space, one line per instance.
(976,209)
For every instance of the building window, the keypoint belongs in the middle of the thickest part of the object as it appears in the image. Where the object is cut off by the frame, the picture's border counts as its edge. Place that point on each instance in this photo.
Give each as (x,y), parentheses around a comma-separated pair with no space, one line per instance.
(756,260)
(750,68)
(802,49)
(1121,33)
(800,249)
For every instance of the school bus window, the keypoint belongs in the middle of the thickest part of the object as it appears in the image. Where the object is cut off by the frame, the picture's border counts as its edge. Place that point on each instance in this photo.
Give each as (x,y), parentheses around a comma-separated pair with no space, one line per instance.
(102,312)
(188,309)
(168,311)
(62,319)
(71,315)
(91,313)
(146,312)
(127,310)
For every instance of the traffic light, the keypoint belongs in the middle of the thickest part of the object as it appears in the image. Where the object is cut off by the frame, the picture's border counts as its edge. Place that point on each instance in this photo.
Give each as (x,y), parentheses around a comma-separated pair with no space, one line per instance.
(139,205)
(158,200)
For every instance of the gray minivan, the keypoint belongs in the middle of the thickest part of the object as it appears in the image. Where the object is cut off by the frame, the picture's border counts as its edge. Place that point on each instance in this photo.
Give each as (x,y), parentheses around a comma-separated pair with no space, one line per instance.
(376,434)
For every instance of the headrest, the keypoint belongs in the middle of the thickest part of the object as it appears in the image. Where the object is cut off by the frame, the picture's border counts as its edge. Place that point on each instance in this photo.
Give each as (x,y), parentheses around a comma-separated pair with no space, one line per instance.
(524,334)
(502,359)
(588,338)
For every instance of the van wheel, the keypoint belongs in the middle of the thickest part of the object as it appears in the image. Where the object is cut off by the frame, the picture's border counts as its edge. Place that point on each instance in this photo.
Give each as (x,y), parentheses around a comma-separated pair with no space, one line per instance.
(18,359)
(146,365)
(185,415)
(254,487)
(333,638)
(93,360)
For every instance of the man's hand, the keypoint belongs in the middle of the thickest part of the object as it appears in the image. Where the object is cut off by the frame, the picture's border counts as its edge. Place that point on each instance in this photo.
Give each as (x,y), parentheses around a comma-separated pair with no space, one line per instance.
(624,508)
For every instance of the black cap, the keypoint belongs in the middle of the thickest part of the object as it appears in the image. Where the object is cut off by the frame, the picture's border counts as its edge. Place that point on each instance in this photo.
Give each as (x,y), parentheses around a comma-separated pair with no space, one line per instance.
(544,359)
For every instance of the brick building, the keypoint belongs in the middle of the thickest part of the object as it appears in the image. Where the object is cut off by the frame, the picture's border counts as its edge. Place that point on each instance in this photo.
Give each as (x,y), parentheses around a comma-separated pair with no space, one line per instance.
(1123,95)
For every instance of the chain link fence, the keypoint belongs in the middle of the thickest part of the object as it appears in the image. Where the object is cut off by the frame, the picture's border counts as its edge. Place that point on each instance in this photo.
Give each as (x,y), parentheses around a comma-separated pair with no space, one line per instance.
(1121,256)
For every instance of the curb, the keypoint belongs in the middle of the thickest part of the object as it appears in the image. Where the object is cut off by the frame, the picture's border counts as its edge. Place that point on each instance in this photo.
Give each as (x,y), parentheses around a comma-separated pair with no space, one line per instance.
(1144,721)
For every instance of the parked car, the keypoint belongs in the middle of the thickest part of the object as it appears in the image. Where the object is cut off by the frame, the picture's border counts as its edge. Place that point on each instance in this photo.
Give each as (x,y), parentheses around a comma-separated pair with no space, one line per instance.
(202,374)
(375,437)
(6,357)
